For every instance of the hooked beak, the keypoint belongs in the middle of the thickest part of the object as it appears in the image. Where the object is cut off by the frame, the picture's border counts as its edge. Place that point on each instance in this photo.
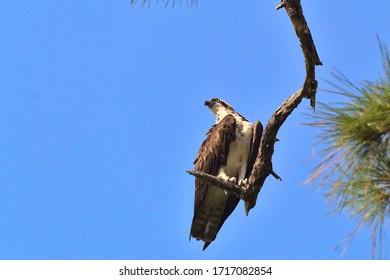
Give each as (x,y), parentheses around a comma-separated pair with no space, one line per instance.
(207,103)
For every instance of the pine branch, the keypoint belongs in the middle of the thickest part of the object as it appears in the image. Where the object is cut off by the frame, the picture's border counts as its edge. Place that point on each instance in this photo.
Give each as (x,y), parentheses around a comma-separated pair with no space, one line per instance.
(355,165)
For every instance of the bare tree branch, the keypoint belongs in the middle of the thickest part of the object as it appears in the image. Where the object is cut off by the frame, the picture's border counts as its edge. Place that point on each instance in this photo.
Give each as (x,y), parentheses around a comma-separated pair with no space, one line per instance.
(295,12)
(215,181)
(263,164)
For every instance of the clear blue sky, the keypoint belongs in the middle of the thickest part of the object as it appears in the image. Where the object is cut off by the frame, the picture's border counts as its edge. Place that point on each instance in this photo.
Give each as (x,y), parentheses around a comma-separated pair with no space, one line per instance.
(101,109)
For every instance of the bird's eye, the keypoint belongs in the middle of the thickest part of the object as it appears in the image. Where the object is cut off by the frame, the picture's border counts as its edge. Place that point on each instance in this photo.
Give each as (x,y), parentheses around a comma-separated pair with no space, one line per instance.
(218,100)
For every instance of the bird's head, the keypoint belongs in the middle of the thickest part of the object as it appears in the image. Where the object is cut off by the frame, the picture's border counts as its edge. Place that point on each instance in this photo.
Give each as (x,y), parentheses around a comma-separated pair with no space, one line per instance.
(219,107)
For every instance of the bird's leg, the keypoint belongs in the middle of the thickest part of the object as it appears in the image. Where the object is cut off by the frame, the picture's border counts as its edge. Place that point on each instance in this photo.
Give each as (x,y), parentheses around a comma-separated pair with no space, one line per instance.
(222,175)
(242,181)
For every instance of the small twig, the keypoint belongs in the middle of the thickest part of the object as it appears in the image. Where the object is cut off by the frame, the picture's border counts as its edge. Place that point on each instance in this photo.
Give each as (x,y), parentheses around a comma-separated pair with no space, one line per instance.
(277,177)
(280,6)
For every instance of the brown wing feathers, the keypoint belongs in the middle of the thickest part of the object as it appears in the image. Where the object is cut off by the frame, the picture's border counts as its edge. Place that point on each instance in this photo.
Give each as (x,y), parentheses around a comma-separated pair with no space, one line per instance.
(256,139)
(213,153)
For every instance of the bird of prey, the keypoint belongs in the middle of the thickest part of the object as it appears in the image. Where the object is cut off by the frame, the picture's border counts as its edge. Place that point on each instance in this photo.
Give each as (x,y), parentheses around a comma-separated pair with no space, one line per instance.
(226,154)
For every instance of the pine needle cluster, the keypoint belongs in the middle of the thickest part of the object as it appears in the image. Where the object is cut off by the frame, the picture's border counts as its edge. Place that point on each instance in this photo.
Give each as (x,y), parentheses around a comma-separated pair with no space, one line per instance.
(355,165)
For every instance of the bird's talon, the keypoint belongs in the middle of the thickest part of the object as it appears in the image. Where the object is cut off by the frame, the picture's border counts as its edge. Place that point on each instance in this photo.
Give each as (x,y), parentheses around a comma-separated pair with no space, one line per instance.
(243,183)
(232,180)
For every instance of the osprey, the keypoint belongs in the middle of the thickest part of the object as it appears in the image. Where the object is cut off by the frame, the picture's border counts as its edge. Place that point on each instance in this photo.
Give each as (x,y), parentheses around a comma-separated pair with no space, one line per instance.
(226,153)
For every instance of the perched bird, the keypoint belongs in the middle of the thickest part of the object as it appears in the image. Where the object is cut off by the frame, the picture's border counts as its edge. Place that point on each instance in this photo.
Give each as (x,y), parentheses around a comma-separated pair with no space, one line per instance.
(226,153)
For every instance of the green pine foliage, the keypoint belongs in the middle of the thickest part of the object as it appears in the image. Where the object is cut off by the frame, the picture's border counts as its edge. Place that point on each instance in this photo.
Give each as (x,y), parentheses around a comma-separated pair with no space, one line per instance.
(355,164)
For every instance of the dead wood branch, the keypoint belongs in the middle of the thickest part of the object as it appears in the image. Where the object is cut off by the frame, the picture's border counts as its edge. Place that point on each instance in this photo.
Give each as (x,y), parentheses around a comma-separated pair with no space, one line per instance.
(215,181)
(263,164)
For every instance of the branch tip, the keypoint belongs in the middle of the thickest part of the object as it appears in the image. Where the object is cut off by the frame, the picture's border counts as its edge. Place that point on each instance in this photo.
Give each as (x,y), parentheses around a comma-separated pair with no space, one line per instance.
(277,177)
(281,5)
